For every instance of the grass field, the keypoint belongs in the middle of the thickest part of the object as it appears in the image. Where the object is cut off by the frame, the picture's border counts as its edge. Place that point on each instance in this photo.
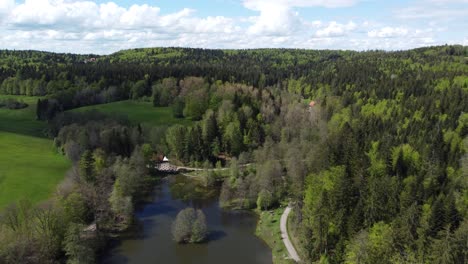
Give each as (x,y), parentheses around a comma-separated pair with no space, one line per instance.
(21,121)
(138,112)
(268,229)
(29,168)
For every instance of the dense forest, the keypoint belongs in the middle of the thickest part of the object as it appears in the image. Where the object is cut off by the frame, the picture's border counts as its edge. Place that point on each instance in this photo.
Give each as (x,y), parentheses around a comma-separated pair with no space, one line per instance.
(370,147)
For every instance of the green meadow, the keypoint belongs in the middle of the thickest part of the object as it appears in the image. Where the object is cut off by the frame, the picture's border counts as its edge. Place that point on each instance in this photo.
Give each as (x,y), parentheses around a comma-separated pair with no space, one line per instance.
(30,168)
(138,112)
(21,121)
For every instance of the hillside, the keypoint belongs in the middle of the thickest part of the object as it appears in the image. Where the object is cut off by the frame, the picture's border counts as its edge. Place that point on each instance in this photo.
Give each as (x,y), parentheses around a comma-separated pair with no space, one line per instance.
(370,148)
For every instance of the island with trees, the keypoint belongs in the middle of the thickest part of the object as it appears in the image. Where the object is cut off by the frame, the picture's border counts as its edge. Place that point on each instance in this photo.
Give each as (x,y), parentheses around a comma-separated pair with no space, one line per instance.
(369,148)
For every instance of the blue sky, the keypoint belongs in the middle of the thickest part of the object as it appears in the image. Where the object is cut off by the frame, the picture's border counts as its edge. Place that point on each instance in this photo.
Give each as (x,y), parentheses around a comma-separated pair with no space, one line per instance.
(102,26)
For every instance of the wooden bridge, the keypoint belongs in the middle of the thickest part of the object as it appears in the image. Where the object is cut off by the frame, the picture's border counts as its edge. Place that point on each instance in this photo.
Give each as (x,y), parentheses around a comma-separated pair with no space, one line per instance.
(169,168)
(166,167)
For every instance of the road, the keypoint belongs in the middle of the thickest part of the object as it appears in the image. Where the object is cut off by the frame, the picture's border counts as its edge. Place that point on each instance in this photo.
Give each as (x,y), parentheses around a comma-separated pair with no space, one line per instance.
(284,234)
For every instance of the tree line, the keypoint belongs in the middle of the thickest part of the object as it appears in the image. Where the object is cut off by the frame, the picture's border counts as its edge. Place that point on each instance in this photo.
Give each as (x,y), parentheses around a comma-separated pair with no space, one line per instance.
(376,167)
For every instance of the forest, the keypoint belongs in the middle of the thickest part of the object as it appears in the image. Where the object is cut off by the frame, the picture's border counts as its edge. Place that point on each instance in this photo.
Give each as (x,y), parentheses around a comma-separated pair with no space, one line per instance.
(370,147)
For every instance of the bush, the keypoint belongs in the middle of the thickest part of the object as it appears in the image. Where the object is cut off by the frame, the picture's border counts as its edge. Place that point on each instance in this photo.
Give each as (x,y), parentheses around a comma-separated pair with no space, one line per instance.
(12,104)
(189,226)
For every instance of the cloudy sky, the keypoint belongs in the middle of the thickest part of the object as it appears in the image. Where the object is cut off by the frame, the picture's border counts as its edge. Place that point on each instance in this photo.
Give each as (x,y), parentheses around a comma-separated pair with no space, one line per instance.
(102,26)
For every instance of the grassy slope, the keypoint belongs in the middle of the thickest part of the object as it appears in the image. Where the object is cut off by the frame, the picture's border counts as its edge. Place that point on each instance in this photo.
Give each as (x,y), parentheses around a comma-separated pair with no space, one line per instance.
(29,166)
(21,121)
(138,112)
(268,229)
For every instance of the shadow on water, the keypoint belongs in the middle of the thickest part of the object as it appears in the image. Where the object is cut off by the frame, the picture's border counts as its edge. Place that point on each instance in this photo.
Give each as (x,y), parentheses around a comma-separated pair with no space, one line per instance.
(215,236)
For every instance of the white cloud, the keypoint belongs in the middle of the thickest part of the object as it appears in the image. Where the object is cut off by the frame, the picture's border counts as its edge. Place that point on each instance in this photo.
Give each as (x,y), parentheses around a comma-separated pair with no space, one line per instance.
(447,1)
(388,32)
(275,19)
(428,12)
(48,12)
(258,5)
(6,5)
(404,33)
(335,29)
(278,17)
(88,27)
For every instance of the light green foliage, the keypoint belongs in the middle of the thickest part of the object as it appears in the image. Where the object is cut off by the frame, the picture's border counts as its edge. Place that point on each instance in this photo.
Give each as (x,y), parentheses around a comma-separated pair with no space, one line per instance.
(199,228)
(375,246)
(339,119)
(131,175)
(99,158)
(442,85)
(300,87)
(382,109)
(461,81)
(87,172)
(377,166)
(323,201)
(190,226)
(462,126)
(75,208)
(357,250)
(28,233)
(233,138)
(120,204)
(147,151)
(196,103)
(175,138)
(453,140)
(265,200)
(76,248)
(380,238)
(405,159)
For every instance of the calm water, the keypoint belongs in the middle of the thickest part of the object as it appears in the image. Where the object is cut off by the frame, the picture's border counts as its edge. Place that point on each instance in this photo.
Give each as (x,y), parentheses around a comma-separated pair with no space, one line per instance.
(231,239)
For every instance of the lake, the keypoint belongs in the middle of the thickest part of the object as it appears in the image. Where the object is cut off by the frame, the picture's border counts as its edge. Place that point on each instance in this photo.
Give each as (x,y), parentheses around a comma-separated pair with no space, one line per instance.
(231,238)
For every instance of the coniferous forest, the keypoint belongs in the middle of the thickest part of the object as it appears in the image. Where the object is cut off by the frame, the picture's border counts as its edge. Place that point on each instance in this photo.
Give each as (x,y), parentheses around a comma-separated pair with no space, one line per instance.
(370,148)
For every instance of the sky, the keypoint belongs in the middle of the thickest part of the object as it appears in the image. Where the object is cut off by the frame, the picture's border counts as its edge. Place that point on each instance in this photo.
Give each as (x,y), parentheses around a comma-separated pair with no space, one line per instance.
(104,27)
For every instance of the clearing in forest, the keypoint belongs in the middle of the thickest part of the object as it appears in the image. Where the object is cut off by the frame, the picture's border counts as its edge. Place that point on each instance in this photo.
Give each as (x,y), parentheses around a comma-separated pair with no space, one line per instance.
(138,112)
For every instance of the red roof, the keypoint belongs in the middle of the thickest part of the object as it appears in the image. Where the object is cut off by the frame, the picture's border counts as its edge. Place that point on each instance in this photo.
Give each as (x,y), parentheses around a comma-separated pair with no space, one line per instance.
(312,103)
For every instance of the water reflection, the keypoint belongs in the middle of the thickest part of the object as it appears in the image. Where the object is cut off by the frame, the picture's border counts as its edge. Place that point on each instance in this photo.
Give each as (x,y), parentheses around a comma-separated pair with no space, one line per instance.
(231,238)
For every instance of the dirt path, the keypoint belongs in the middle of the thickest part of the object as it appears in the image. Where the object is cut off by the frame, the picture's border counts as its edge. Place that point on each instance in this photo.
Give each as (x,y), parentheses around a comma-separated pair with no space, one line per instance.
(284,234)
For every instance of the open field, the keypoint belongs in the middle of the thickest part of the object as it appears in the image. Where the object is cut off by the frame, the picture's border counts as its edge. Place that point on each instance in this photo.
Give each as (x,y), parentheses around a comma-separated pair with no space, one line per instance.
(138,112)
(29,168)
(21,121)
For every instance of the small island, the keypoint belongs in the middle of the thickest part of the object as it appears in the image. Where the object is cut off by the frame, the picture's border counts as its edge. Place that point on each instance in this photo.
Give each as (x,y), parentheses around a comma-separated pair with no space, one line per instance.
(190,226)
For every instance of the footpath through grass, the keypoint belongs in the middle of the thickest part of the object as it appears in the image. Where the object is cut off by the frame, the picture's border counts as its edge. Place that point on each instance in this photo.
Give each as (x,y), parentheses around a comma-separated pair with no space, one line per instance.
(138,112)
(268,229)
(29,168)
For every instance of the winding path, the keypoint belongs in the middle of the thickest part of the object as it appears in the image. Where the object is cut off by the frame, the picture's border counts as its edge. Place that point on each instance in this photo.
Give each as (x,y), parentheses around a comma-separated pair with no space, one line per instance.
(284,234)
